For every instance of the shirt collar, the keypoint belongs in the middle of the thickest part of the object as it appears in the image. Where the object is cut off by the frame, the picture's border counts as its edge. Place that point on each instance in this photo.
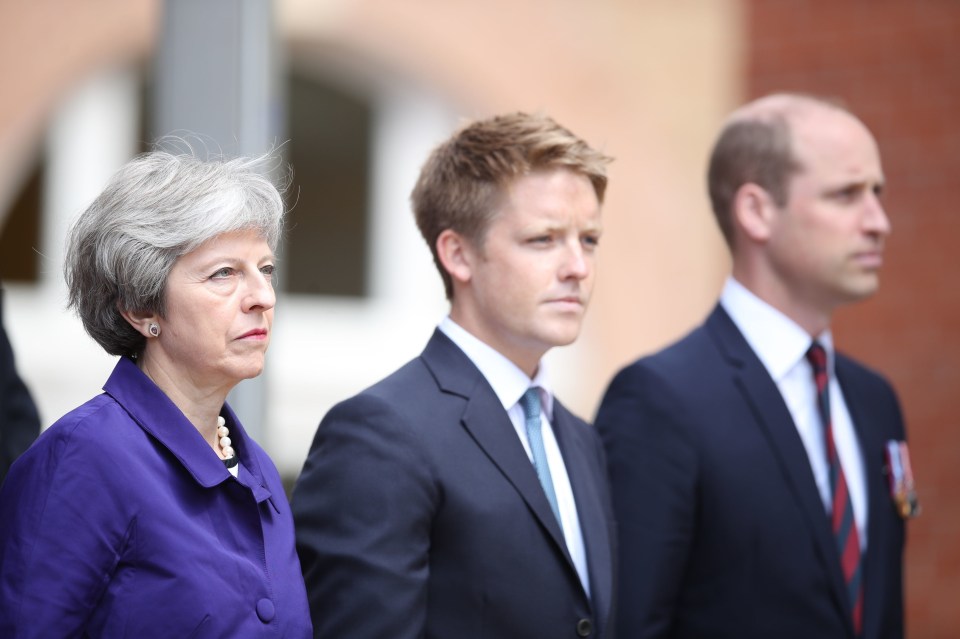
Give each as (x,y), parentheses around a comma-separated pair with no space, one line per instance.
(153,411)
(778,341)
(509,383)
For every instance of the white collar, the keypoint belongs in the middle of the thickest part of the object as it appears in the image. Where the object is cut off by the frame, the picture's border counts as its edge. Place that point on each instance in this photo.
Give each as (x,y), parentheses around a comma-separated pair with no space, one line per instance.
(777,340)
(509,383)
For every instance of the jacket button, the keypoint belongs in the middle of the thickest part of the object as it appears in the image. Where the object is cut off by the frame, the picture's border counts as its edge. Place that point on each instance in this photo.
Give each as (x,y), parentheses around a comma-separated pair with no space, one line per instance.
(584,628)
(265,610)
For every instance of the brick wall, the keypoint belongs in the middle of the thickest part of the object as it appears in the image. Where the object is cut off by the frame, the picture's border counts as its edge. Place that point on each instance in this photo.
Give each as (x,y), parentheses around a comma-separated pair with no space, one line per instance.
(897,65)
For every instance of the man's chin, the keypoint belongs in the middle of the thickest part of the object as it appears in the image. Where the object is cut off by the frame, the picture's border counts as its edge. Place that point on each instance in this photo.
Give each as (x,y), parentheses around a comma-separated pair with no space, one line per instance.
(864,287)
(564,335)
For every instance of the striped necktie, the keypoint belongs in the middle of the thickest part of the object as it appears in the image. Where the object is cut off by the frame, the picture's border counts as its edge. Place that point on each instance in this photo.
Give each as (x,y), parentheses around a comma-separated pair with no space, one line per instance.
(531,413)
(842,520)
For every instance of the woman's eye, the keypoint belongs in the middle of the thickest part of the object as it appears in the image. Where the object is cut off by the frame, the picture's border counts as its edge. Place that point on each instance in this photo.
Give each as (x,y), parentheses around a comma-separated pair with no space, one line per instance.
(226,271)
(268,270)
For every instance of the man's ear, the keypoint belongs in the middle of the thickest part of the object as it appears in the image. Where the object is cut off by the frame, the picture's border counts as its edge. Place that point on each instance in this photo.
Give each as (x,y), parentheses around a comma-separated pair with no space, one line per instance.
(141,321)
(754,212)
(457,255)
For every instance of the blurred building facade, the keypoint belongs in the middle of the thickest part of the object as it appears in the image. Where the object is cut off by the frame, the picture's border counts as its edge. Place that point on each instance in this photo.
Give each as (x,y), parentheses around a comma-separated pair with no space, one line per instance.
(367,87)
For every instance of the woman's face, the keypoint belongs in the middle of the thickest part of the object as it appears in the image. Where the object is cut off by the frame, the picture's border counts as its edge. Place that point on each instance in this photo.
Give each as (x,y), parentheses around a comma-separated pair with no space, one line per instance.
(219,312)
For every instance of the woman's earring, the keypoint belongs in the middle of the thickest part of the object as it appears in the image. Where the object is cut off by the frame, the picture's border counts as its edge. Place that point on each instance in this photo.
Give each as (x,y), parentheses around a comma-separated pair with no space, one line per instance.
(154,329)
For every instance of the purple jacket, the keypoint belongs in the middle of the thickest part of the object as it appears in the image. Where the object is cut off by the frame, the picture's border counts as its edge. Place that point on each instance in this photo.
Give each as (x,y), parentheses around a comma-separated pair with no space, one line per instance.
(120,521)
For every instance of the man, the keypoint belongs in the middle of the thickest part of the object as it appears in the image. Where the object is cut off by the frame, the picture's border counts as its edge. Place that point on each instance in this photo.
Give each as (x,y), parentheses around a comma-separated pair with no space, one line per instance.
(19,422)
(748,465)
(458,498)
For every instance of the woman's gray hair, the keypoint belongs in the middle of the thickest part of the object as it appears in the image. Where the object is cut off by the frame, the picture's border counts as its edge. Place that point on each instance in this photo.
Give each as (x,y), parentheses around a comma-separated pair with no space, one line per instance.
(156,208)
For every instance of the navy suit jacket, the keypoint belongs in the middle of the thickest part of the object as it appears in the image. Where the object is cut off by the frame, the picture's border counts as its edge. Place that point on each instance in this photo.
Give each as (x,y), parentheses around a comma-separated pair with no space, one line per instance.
(419,514)
(19,422)
(722,530)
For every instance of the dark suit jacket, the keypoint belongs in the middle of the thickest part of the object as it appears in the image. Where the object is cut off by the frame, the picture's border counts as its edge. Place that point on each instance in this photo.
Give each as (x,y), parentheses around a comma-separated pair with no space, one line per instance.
(19,422)
(722,530)
(418,514)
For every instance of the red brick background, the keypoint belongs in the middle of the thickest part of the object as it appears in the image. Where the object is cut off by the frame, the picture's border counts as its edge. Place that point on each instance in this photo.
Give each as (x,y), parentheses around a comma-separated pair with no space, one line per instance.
(897,65)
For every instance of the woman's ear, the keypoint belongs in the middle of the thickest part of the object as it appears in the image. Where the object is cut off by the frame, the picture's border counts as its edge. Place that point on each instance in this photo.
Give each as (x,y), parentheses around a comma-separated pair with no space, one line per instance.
(145,323)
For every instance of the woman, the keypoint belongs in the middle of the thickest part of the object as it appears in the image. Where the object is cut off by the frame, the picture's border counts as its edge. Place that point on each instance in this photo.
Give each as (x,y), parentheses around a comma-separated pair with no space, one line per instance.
(148,511)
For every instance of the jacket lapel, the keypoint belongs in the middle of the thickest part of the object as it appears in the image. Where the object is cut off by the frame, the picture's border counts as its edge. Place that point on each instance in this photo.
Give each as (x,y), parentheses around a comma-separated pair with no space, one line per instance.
(772,415)
(870,437)
(590,498)
(490,426)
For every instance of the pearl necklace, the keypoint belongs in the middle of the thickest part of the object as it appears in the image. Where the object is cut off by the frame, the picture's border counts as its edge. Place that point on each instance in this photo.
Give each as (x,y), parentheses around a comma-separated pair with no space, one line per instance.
(226,444)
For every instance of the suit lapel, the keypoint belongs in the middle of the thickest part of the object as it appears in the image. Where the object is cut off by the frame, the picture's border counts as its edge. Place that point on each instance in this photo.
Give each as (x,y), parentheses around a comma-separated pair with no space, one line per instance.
(766,403)
(589,498)
(488,424)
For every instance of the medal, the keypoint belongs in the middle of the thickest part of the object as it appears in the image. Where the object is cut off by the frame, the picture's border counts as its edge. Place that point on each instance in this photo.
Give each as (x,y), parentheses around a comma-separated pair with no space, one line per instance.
(900,478)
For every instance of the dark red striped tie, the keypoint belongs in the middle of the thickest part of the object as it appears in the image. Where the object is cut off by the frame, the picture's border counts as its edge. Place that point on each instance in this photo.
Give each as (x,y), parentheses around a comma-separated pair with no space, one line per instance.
(842,520)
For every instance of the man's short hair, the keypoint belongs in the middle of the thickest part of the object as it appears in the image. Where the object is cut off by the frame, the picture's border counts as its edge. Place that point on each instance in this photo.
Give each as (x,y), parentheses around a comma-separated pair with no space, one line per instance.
(755,147)
(461,185)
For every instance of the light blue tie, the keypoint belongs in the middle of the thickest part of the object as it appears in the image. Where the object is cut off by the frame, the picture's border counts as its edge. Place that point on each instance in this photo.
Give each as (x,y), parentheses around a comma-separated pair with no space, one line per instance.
(531,412)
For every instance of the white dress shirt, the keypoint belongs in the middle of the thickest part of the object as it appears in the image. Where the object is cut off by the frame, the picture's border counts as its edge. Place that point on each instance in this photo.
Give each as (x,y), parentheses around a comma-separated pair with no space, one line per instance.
(781,345)
(509,383)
